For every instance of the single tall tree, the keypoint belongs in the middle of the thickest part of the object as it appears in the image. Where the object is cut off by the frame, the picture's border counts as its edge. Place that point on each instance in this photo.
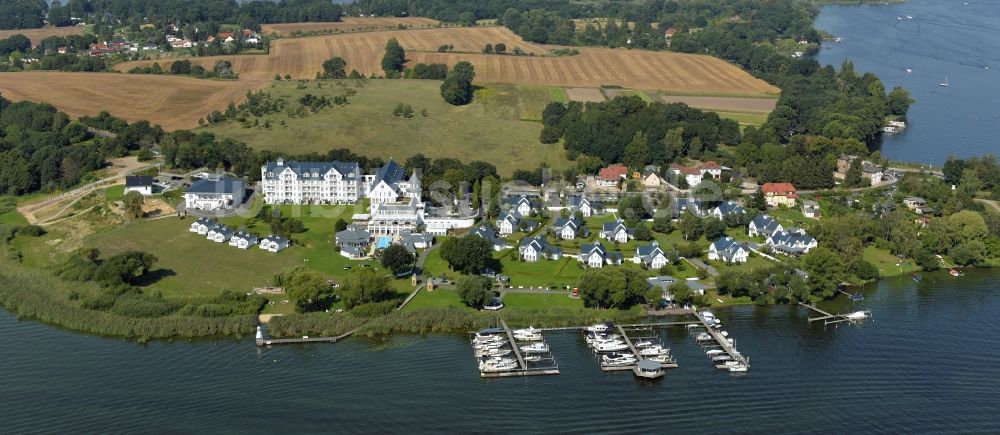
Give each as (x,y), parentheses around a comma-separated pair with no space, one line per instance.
(133,204)
(394,58)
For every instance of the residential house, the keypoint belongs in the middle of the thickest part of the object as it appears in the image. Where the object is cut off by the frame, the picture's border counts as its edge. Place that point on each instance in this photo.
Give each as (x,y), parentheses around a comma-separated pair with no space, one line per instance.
(512,221)
(793,242)
(243,240)
(311,182)
(664,282)
(869,171)
(682,205)
(594,255)
(524,204)
(692,176)
(612,175)
(227,37)
(616,231)
(810,209)
(353,236)
(534,248)
(202,226)
(274,243)
(487,234)
(141,183)
(570,228)
(585,206)
(779,194)
(215,193)
(414,241)
(651,177)
(914,203)
(763,226)
(726,209)
(389,184)
(353,252)
(650,256)
(729,250)
(712,169)
(220,234)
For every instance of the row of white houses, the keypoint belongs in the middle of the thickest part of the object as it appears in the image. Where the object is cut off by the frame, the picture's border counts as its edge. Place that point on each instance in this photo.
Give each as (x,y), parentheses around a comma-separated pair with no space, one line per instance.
(219,233)
(336,183)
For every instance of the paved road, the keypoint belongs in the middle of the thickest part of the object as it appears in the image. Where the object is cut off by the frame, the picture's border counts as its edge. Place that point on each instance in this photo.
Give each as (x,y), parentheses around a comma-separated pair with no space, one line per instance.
(701,265)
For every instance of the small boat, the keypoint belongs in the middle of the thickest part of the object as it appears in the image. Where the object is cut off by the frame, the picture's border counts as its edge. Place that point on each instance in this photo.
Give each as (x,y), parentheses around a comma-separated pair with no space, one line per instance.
(504,365)
(945,84)
(724,333)
(691,325)
(610,346)
(857,297)
(909,70)
(493,352)
(480,337)
(528,337)
(857,315)
(532,358)
(535,348)
(618,359)
(643,343)
(528,330)
(915,277)
(722,358)
(731,363)
(648,369)
(704,336)
(598,338)
(662,359)
(738,368)
(600,327)
(653,351)
(493,345)
(954,272)
(715,352)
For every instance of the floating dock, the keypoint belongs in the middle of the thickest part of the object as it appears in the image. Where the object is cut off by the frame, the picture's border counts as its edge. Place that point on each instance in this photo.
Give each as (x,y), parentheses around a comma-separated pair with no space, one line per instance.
(522,366)
(721,342)
(829,319)
(262,341)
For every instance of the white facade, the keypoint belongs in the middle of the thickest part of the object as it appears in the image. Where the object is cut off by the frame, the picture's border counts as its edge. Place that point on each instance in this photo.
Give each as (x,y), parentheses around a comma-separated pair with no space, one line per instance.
(391,219)
(311,182)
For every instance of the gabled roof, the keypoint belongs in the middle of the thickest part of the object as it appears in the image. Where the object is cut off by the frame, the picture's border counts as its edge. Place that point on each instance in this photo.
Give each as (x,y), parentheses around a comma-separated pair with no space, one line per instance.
(206,222)
(484,232)
(390,172)
(571,222)
(614,227)
(762,222)
(512,216)
(589,249)
(138,180)
(245,236)
(315,169)
(613,173)
(778,188)
(538,243)
(648,250)
(224,185)
(684,170)
(281,241)
(730,207)
(222,229)
(710,165)
(353,236)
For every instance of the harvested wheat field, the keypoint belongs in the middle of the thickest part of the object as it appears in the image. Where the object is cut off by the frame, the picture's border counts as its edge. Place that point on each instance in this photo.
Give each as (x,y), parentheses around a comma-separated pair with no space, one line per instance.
(37,35)
(593,67)
(765,105)
(172,102)
(350,24)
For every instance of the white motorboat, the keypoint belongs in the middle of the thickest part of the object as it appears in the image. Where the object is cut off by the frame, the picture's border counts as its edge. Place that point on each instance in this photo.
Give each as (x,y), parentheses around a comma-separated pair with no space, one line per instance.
(528,330)
(493,352)
(610,346)
(653,350)
(857,315)
(731,363)
(722,358)
(738,368)
(704,336)
(648,369)
(535,348)
(662,359)
(715,352)
(691,325)
(597,338)
(643,343)
(480,337)
(612,359)
(493,345)
(498,366)
(600,327)
(528,337)
(945,84)
(724,333)
(532,358)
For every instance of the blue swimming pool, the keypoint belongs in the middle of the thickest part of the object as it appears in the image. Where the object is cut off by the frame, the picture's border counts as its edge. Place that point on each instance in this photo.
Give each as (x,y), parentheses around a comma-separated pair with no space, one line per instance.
(383,242)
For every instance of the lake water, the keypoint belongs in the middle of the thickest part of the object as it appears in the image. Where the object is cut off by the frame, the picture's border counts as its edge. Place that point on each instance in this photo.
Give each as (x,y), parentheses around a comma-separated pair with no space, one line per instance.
(926,363)
(945,39)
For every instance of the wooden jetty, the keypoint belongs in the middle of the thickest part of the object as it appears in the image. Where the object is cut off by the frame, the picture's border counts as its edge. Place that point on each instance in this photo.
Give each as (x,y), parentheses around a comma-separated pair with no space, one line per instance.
(635,325)
(830,319)
(723,343)
(825,315)
(635,351)
(261,341)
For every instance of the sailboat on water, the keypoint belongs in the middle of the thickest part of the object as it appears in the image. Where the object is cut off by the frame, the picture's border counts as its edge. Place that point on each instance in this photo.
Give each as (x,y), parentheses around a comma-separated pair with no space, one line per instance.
(945,84)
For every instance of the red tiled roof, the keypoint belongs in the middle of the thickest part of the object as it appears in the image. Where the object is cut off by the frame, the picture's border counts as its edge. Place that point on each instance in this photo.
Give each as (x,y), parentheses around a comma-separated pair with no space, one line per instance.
(786,189)
(613,172)
(711,164)
(684,169)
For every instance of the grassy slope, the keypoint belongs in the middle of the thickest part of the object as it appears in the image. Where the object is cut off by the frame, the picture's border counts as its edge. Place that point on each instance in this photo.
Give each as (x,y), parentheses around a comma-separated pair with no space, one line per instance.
(489,129)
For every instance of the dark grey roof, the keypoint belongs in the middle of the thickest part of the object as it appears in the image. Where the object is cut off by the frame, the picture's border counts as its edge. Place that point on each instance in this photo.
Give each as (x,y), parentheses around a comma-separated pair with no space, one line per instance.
(138,180)
(354,236)
(316,169)
(390,172)
(222,185)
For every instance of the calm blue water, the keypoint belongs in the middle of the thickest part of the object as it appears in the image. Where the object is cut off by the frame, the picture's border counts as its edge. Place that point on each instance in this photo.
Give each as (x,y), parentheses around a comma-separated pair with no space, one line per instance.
(926,364)
(944,39)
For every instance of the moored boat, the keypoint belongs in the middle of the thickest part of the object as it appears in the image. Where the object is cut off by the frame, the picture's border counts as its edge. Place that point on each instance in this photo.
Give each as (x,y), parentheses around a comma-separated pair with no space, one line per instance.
(535,348)
(610,346)
(648,369)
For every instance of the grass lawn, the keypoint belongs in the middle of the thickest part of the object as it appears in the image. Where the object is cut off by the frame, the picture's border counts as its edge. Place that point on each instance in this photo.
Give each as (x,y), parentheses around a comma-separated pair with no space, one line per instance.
(439,298)
(540,301)
(490,128)
(115,193)
(755,262)
(189,265)
(790,216)
(533,99)
(744,118)
(8,212)
(558,94)
(542,273)
(887,263)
